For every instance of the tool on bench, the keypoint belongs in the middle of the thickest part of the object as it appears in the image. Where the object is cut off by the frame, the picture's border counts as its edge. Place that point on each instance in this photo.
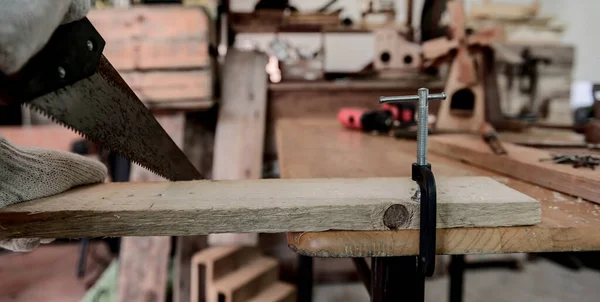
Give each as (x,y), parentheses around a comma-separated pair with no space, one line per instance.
(585,161)
(386,118)
(70,81)
(490,136)
(423,175)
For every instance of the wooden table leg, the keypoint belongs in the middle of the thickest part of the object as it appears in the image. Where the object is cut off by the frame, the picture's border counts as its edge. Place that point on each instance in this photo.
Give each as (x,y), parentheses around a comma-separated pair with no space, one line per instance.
(304,279)
(396,279)
(457,271)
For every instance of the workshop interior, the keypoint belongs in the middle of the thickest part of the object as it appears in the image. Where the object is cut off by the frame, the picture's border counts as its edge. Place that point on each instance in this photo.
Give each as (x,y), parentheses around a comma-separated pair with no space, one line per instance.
(305,151)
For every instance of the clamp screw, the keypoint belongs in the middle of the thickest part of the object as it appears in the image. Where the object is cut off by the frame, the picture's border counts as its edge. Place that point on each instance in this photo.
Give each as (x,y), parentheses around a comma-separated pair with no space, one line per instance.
(423,113)
(61,72)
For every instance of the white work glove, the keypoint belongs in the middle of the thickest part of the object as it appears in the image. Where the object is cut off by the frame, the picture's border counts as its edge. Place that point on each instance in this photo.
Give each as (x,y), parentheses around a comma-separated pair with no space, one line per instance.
(26,26)
(28,173)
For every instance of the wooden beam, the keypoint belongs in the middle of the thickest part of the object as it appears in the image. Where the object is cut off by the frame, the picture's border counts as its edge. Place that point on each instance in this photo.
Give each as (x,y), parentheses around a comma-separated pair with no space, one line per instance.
(47,136)
(253,206)
(198,146)
(522,163)
(141,280)
(240,133)
(160,87)
(241,124)
(153,37)
(148,254)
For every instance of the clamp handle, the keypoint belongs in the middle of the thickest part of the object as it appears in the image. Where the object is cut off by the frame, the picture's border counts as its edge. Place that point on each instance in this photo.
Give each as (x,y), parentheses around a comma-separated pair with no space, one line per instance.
(423,116)
(423,176)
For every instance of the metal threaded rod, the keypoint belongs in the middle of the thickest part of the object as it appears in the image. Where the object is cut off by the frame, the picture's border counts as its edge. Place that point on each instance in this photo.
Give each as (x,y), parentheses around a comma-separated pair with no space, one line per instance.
(422,120)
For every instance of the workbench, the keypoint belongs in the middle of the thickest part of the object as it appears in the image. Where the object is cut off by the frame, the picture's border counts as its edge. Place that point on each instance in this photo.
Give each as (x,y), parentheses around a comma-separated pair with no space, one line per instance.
(311,148)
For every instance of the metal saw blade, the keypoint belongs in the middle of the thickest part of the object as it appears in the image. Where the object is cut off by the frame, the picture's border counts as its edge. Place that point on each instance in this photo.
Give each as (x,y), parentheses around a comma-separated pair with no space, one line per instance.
(105,110)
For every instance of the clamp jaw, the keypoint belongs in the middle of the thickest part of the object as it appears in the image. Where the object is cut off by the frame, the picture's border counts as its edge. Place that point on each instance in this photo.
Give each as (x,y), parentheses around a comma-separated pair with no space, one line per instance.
(423,176)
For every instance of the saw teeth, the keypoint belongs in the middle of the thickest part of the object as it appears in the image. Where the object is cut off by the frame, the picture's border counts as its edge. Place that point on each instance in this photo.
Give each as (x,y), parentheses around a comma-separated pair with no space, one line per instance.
(42,112)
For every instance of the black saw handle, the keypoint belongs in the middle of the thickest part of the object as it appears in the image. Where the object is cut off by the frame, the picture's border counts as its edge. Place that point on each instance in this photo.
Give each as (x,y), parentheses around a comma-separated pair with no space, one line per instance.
(71,54)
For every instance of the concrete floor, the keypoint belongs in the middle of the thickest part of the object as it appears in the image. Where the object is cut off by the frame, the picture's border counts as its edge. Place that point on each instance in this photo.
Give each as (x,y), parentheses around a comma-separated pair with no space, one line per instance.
(538,281)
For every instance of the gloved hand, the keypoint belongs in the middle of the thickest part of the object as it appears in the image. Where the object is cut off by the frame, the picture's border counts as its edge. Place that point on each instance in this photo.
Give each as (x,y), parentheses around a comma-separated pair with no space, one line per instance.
(28,173)
(26,26)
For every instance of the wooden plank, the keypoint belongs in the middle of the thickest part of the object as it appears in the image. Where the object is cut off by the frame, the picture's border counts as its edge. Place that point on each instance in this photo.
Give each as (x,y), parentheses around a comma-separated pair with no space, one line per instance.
(240,133)
(143,269)
(253,206)
(170,86)
(278,292)
(153,37)
(198,146)
(247,281)
(324,149)
(542,136)
(137,252)
(241,124)
(214,263)
(504,11)
(48,136)
(522,163)
(187,246)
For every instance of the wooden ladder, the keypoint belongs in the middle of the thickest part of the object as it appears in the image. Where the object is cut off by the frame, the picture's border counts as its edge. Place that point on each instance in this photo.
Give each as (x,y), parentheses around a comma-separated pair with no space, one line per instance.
(237,274)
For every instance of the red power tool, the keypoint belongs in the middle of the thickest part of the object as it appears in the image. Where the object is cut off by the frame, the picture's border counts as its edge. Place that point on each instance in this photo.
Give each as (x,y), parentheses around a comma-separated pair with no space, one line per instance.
(382,120)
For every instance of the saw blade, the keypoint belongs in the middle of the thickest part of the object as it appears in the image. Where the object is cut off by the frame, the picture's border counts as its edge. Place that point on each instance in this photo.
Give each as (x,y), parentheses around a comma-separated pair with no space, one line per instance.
(105,110)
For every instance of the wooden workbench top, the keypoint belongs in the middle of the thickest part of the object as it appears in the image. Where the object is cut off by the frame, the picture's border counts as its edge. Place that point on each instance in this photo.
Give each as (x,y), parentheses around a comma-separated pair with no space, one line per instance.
(321,148)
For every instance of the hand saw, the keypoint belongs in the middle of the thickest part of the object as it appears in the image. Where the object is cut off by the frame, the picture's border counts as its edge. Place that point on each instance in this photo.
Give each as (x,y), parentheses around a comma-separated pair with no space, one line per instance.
(70,81)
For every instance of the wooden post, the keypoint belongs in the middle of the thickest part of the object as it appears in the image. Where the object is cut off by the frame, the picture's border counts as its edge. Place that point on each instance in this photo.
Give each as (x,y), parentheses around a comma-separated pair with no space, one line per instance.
(240,134)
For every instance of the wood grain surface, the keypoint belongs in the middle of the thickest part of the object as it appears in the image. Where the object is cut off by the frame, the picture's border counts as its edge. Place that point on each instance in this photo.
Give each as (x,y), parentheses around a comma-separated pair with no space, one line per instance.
(170,86)
(254,206)
(240,133)
(523,163)
(153,37)
(324,149)
(144,261)
(241,124)
(141,280)
(48,136)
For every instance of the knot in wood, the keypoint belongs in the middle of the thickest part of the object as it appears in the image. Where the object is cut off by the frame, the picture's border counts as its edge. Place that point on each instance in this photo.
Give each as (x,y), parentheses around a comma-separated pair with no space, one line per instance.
(396,216)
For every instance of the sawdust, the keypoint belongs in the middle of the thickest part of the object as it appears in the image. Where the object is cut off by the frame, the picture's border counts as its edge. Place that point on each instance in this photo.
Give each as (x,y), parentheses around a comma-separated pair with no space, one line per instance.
(558,196)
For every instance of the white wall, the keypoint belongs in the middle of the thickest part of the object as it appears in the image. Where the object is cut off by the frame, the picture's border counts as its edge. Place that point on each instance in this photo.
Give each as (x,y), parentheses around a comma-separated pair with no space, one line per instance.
(579,15)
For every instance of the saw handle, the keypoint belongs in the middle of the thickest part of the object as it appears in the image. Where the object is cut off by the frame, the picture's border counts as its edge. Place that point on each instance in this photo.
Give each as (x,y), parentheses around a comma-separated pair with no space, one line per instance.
(71,54)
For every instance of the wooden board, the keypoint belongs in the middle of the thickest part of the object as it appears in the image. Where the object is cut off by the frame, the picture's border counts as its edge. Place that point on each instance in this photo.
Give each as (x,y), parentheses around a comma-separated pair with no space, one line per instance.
(240,133)
(138,252)
(170,86)
(543,136)
(241,125)
(153,37)
(141,280)
(522,163)
(204,207)
(324,149)
(48,136)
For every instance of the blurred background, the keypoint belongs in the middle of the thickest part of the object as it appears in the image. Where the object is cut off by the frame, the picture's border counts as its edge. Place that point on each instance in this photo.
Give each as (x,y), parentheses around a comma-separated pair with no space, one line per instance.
(532,65)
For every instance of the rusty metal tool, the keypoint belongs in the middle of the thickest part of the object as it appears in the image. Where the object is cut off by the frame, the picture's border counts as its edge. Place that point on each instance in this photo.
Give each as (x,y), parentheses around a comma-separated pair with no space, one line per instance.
(490,136)
(70,81)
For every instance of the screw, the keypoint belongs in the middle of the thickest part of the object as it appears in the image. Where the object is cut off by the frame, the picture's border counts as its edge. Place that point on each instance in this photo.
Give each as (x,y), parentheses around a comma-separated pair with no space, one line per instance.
(423,113)
(90,45)
(61,72)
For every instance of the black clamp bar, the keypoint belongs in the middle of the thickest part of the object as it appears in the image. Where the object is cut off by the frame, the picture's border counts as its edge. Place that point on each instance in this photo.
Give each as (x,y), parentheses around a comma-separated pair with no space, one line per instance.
(423,176)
